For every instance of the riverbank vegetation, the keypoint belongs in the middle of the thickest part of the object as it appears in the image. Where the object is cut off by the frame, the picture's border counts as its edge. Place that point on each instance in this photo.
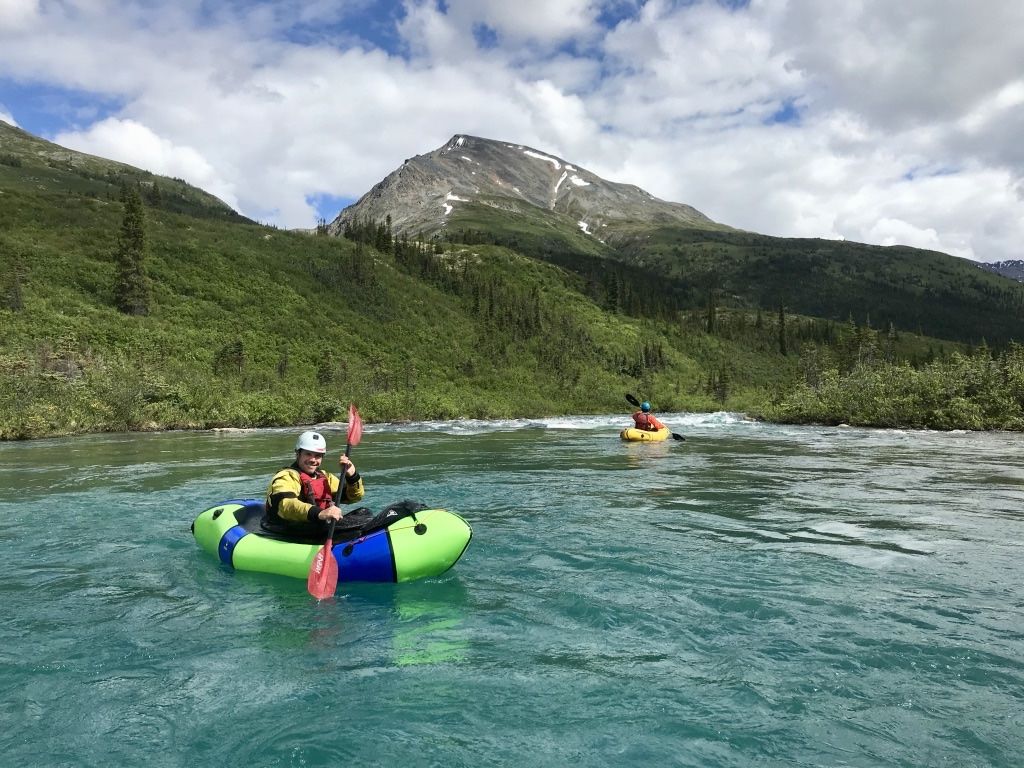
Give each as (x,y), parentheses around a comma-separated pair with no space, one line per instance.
(134,302)
(978,391)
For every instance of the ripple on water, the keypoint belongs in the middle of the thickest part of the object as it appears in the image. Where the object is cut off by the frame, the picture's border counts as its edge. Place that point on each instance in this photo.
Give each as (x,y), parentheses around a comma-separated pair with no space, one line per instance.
(756,595)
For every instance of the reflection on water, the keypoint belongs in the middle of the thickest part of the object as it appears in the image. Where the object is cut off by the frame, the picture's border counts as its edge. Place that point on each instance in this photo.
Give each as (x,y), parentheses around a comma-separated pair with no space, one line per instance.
(429,622)
(640,455)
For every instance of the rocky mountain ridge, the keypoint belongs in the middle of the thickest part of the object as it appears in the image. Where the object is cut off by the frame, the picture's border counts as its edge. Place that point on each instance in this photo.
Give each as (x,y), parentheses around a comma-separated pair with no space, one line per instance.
(421,195)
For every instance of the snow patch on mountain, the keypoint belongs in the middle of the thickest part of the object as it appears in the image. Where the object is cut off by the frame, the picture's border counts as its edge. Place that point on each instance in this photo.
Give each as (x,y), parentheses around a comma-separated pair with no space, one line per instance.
(539,156)
(449,198)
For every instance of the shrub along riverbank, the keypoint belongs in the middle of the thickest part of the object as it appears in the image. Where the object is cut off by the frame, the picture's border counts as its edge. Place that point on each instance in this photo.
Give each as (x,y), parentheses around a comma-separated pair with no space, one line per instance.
(977,392)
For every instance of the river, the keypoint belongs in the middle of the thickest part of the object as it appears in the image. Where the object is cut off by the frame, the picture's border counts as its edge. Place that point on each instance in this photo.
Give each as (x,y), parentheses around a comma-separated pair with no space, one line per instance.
(758,595)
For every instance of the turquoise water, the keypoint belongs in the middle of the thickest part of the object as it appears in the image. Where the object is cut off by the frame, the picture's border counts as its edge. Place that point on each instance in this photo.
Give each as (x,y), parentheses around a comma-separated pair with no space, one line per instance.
(755,596)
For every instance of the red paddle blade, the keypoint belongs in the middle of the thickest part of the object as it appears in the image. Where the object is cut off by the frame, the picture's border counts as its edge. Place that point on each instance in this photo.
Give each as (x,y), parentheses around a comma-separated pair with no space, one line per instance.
(323,573)
(355,426)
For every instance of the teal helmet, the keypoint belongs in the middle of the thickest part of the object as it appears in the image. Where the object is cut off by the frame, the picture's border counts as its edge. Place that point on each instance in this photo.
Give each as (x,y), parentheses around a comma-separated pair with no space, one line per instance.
(645,406)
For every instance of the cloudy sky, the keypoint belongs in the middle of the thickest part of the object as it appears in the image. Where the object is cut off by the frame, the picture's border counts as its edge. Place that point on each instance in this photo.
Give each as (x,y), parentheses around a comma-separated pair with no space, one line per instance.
(871,120)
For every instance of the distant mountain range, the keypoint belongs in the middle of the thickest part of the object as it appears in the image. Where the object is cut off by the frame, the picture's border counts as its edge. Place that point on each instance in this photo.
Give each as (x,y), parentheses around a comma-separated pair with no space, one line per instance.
(1013,269)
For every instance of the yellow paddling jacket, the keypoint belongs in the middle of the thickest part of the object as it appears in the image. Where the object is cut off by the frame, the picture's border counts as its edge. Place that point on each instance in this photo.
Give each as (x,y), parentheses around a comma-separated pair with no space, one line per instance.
(294,499)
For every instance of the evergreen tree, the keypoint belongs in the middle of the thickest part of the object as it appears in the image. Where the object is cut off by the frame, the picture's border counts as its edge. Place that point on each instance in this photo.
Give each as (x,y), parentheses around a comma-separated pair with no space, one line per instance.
(230,358)
(13,299)
(325,369)
(711,319)
(15,302)
(155,198)
(782,330)
(131,292)
(890,343)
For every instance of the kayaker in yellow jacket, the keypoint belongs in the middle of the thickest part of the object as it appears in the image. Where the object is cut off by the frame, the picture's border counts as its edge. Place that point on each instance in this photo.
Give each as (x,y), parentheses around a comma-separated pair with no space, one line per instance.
(646,420)
(300,498)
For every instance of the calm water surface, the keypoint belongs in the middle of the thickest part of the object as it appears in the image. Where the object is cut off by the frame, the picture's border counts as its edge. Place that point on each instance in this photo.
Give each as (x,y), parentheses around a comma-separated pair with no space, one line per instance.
(755,596)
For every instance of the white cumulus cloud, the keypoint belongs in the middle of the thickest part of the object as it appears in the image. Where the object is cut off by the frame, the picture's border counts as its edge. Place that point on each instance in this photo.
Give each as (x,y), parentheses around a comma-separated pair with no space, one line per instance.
(871,121)
(17,14)
(135,144)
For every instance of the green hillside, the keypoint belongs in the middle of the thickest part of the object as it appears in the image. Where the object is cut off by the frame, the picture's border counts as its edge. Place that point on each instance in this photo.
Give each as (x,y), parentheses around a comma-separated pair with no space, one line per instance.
(246,325)
(675,269)
(30,165)
(253,326)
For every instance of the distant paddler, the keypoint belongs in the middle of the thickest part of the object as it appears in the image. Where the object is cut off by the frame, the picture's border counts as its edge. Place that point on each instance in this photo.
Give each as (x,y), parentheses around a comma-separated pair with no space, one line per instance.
(647,426)
(646,420)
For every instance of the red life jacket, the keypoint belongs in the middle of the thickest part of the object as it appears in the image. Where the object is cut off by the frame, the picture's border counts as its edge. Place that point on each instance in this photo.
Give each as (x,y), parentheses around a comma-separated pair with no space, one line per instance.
(315,489)
(647,421)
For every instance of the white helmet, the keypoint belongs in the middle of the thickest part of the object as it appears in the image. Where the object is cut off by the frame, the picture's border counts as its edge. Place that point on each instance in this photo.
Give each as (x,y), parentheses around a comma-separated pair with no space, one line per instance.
(311,441)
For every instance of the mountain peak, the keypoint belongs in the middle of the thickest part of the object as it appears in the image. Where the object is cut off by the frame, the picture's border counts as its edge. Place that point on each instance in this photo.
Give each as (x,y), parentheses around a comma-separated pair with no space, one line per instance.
(426,192)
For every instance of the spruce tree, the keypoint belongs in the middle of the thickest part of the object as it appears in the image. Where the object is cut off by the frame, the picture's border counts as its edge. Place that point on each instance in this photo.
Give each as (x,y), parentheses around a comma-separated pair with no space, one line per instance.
(131,292)
(13,299)
(782,330)
(155,198)
(711,318)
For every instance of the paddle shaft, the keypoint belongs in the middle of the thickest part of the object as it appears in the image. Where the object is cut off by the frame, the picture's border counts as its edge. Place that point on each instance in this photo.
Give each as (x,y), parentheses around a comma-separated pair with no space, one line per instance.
(341,482)
(323,572)
(323,576)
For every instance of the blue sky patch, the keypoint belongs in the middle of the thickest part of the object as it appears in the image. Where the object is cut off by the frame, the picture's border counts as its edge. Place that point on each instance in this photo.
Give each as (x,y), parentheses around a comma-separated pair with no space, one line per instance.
(328,206)
(486,37)
(613,14)
(788,112)
(45,110)
(930,172)
(373,25)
